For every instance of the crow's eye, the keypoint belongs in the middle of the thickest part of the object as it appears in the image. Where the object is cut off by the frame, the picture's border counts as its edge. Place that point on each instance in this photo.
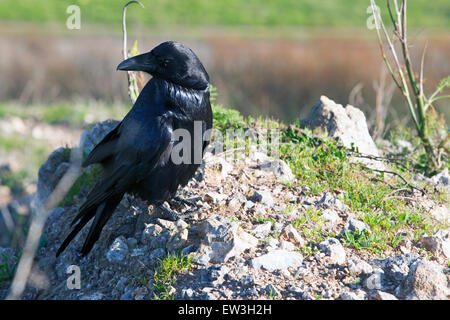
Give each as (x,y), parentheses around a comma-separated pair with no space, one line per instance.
(166,62)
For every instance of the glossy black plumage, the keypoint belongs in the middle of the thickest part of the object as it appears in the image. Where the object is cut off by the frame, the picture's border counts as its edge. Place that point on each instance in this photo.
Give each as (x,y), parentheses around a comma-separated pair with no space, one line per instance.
(136,155)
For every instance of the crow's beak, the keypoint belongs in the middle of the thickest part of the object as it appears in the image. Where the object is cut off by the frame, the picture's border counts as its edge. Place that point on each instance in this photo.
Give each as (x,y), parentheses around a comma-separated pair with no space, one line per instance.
(143,62)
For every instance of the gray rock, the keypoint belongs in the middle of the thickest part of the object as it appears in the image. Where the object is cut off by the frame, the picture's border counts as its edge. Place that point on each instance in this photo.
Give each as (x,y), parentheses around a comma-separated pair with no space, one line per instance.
(351,296)
(334,250)
(187,293)
(354,225)
(271,290)
(426,280)
(249,205)
(438,244)
(250,292)
(441,213)
(49,175)
(89,139)
(329,201)
(290,233)
(381,295)
(181,224)
(150,231)
(247,280)
(279,168)
(307,296)
(263,197)
(214,198)
(138,252)
(140,293)
(331,218)
(396,268)
(131,242)
(118,251)
(154,236)
(375,281)
(278,260)
(214,275)
(188,249)
(262,230)
(405,243)
(121,284)
(222,239)
(219,164)
(358,267)
(286,245)
(166,224)
(157,254)
(348,125)
(208,294)
(442,180)
(128,295)
(94,296)
(55,214)
(59,161)
(235,202)
(177,241)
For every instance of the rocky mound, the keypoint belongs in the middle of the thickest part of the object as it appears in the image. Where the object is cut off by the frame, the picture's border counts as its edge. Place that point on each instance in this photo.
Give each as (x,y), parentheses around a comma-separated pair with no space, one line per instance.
(237,238)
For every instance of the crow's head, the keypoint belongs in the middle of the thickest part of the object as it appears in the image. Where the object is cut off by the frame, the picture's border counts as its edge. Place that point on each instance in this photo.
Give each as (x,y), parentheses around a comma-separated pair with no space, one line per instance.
(172,62)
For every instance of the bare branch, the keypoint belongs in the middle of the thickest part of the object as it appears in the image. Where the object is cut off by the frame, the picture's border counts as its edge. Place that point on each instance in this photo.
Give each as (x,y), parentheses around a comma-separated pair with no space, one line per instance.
(37,225)
(421,93)
(133,91)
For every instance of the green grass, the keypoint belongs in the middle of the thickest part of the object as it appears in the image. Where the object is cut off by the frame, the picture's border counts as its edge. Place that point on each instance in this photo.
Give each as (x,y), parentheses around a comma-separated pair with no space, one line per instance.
(6,273)
(311,223)
(13,180)
(421,13)
(13,142)
(226,119)
(75,115)
(261,220)
(166,272)
(323,165)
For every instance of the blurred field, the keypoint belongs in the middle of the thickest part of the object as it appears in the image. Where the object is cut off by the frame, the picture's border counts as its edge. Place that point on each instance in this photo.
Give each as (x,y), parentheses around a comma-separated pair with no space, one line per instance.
(282,78)
(342,13)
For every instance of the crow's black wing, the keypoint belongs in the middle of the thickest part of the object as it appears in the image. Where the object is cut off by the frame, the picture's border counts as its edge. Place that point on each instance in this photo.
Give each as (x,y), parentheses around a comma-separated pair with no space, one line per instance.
(139,149)
(105,148)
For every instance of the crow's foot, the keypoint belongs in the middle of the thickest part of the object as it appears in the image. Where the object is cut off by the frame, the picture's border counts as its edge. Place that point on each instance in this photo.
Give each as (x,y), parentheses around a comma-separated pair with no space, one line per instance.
(166,213)
(189,202)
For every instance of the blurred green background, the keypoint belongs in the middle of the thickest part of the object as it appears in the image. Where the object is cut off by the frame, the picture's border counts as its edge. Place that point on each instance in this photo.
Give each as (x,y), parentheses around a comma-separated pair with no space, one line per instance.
(269,13)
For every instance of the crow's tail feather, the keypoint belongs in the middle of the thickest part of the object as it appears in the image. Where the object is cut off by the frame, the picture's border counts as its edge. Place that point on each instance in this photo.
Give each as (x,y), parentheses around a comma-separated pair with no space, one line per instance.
(102,213)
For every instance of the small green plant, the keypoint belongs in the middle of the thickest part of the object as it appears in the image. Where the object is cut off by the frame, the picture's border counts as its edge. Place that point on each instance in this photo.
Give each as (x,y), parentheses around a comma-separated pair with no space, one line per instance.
(311,223)
(13,180)
(261,220)
(308,250)
(362,240)
(166,272)
(6,273)
(225,119)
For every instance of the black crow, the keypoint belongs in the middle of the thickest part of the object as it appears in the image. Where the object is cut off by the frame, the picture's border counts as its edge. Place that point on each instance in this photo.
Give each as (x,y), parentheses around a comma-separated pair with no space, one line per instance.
(137,154)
